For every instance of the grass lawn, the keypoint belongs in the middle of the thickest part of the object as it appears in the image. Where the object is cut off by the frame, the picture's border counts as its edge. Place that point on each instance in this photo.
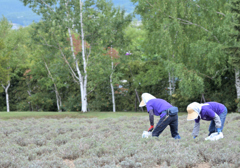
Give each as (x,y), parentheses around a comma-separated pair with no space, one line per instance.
(99,115)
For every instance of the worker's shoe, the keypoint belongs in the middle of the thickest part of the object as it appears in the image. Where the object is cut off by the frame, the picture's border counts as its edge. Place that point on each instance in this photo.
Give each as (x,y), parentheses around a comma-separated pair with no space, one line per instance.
(177,137)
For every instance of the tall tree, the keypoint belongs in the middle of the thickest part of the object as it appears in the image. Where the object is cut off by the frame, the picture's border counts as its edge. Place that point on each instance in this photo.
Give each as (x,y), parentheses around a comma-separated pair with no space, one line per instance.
(92,21)
(3,61)
(14,50)
(113,54)
(233,49)
(188,36)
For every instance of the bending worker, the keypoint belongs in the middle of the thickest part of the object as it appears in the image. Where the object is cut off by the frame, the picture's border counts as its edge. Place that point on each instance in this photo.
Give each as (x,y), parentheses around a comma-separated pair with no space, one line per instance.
(210,111)
(160,107)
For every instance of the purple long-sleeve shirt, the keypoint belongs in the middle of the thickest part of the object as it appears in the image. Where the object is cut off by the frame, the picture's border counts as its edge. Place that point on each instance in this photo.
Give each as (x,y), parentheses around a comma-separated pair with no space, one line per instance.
(158,106)
(208,111)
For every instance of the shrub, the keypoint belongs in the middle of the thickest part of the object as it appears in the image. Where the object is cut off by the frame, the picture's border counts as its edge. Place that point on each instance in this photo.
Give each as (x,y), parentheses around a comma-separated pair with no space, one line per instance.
(114,143)
(70,151)
(61,140)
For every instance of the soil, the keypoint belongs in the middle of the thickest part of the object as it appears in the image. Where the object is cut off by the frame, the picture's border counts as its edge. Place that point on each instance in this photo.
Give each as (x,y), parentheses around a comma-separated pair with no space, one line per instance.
(69,163)
(201,165)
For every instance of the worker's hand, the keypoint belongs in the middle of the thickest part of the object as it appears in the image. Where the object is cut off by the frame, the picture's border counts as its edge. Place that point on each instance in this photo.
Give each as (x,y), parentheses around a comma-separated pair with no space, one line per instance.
(194,137)
(150,129)
(219,130)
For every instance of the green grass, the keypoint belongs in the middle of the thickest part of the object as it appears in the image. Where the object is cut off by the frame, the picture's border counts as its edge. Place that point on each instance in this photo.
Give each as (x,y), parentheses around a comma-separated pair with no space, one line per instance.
(99,115)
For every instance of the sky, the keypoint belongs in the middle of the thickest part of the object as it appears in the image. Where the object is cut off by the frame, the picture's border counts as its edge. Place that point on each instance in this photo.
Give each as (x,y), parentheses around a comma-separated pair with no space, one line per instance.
(18,14)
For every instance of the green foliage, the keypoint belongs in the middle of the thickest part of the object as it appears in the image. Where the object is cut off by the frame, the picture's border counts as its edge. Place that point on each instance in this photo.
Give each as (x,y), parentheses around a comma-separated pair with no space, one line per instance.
(3,61)
(233,48)
(4,56)
(188,37)
(195,41)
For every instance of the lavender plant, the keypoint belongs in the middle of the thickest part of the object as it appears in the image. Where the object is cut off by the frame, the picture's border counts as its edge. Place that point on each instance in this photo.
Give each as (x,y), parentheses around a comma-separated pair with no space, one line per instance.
(113,142)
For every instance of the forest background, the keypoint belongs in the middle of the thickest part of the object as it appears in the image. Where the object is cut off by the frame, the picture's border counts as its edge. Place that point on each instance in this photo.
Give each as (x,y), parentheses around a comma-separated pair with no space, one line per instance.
(93,55)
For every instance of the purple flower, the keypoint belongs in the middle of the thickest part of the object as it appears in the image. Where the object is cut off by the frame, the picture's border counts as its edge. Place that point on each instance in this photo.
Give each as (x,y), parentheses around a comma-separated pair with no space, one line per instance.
(128,53)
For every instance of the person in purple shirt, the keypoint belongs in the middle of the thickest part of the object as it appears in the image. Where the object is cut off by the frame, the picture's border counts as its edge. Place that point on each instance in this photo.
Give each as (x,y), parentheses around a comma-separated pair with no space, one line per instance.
(159,107)
(209,111)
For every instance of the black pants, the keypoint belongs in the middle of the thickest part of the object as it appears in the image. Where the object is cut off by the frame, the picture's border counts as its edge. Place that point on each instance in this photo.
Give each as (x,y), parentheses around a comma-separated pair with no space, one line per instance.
(172,121)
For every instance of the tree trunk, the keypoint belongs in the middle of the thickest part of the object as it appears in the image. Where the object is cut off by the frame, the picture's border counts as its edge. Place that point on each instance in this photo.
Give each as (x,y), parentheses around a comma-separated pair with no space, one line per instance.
(58,98)
(173,85)
(203,98)
(84,91)
(30,104)
(170,84)
(138,98)
(84,95)
(7,98)
(112,89)
(111,83)
(237,84)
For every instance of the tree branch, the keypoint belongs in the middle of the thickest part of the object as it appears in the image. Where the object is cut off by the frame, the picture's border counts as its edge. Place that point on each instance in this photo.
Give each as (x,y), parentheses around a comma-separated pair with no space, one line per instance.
(69,66)
(191,23)
(212,76)
(47,5)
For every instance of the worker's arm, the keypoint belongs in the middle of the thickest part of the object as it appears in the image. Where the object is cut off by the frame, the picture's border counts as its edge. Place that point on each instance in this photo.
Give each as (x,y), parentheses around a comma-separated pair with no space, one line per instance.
(218,123)
(151,119)
(215,117)
(196,128)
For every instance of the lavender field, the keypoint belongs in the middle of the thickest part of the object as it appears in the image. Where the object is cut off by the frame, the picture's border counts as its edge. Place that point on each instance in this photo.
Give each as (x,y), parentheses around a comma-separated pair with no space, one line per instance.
(109,143)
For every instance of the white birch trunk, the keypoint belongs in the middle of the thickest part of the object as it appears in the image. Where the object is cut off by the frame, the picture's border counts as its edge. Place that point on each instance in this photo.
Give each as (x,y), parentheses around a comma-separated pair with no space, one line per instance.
(82,78)
(237,84)
(7,97)
(112,89)
(58,97)
(111,83)
(84,91)
(59,102)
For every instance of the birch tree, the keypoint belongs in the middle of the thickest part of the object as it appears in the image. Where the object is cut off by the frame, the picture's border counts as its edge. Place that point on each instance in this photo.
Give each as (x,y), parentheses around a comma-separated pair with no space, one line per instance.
(91,21)
(14,50)
(113,54)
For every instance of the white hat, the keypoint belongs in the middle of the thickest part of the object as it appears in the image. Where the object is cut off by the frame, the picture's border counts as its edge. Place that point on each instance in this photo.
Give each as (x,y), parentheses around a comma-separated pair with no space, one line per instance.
(194,110)
(145,98)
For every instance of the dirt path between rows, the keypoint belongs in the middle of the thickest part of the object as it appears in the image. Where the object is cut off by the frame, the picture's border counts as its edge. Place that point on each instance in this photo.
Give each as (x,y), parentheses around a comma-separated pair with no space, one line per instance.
(69,163)
(202,165)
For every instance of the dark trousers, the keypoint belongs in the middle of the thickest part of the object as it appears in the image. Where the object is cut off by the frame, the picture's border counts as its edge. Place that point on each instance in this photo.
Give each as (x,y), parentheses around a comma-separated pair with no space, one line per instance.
(172,121)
